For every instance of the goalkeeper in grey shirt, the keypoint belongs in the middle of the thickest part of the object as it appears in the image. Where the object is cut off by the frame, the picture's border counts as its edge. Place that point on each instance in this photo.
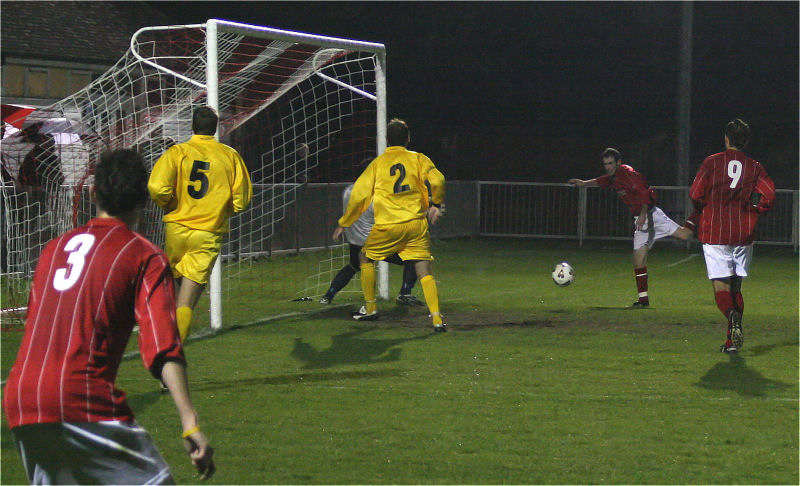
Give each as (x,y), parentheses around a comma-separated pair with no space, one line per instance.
(355,235)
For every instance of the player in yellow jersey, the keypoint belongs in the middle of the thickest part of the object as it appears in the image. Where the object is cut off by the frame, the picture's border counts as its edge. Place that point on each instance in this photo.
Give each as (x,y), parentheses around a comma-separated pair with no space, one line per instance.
(199,184)
(398,183)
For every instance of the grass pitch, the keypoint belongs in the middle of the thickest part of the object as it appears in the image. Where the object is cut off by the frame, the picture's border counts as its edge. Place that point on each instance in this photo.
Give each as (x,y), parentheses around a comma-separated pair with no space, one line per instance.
(533,384)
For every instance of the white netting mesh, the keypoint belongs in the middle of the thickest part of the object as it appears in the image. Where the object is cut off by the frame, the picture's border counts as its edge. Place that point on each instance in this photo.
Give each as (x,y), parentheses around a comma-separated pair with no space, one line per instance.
(301,115)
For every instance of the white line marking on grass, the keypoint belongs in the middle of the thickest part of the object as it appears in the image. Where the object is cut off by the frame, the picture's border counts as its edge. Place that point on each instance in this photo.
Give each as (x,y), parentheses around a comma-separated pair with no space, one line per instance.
(682,261)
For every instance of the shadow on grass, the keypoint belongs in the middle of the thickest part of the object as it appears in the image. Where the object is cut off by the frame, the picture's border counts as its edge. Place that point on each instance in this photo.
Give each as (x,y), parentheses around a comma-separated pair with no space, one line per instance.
(766,348)
(736,376)
(623,307)
(296,378)
(349,348)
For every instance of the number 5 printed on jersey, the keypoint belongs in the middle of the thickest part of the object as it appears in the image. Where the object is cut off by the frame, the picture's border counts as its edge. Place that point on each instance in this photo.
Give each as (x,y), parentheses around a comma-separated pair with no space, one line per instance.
(77,247)
(197,176)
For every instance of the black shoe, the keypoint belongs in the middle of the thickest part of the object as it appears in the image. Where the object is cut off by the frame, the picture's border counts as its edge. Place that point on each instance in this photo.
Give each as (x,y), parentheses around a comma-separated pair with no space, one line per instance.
(440,328)
(325,300)
(409,299)
(164,389)
(361,315)
(639,305)
(735,326)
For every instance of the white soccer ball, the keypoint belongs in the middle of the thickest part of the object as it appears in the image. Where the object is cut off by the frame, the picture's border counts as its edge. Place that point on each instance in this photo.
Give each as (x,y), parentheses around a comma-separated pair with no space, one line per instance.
(563,274)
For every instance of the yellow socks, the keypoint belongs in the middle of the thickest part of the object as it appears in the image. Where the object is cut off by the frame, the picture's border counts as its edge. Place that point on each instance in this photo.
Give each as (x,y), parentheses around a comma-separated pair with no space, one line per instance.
(368,286)
(431,297)
(184,315)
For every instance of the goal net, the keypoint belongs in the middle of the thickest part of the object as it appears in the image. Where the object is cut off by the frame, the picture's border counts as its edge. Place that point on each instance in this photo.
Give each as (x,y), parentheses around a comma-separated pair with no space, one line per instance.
(304,111)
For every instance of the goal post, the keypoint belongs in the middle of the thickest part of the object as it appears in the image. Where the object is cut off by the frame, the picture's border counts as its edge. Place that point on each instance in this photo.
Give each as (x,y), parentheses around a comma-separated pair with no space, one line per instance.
(305,111)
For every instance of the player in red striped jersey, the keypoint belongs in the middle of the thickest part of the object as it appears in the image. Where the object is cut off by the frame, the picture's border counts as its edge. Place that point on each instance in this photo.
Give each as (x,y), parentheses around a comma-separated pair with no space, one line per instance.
(650,222)
(91,286)
(731,191)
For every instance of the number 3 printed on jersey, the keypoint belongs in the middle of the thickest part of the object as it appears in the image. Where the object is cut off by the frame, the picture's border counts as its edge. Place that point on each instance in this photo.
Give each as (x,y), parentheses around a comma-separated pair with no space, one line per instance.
(77,247)
(734,172)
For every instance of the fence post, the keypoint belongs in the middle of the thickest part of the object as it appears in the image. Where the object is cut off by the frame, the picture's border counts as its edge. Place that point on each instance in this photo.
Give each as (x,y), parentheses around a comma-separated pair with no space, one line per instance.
(795,219)
(581,215)
(478,212)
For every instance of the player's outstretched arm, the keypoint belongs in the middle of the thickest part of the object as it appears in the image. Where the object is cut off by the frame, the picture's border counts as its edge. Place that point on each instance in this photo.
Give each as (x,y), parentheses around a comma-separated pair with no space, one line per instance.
(195,442)
(582,183)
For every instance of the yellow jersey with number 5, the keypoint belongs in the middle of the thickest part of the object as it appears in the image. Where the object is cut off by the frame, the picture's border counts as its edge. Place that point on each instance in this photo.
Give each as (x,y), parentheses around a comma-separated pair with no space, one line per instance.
(396,182)
(200,184)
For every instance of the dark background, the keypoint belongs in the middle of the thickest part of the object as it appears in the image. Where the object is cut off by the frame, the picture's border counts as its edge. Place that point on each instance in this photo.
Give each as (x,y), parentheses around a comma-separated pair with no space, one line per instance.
(534,91)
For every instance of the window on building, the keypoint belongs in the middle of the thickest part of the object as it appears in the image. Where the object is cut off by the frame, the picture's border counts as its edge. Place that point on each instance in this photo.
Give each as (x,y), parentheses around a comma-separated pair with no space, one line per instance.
(37,83)
(79,80)
(13,80)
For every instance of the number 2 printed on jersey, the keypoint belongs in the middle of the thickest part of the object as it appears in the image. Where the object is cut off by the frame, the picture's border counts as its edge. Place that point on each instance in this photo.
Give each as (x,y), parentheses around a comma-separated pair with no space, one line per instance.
(398,184)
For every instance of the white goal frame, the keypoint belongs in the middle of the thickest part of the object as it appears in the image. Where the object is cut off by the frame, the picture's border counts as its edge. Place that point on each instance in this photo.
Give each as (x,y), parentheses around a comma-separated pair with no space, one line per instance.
(215,26)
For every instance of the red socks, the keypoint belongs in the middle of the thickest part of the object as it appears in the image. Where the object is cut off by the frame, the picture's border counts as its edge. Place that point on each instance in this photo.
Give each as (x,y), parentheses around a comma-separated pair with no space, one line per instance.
(738,301)
(728,301)
(641,283)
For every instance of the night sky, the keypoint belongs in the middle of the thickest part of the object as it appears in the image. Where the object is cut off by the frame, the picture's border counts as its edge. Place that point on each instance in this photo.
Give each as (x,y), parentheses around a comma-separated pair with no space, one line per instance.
(534,91)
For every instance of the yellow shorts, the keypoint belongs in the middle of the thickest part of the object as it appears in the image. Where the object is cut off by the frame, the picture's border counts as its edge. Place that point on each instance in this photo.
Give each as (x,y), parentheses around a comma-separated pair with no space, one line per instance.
(191,252)
(410,240)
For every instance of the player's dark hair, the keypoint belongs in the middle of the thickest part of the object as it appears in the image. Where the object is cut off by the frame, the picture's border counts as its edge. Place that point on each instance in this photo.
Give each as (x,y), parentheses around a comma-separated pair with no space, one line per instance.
(612,152)
(204,121)
(120,182)
(738,133)
(397,133)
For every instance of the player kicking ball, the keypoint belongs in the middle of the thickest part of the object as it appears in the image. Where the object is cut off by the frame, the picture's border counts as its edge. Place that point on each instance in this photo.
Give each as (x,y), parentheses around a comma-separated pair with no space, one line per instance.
(649,221)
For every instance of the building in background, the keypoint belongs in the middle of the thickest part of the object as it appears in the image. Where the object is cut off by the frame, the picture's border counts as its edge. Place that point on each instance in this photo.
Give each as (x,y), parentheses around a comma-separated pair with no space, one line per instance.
(52,49)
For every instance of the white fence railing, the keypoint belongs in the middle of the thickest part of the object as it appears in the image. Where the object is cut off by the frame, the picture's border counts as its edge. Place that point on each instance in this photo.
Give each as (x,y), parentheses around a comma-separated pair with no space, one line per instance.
(544,210)
(473,208)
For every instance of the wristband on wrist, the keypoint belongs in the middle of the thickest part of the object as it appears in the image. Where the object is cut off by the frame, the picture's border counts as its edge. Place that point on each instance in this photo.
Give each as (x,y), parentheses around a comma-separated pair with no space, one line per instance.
(191,431)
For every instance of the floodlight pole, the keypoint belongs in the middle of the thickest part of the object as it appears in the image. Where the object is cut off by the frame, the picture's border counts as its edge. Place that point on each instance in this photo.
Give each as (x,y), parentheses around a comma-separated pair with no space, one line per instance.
(684,102)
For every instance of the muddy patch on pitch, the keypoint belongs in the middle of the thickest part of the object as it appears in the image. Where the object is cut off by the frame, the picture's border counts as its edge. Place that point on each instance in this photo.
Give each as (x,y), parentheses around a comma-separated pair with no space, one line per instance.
(470,321)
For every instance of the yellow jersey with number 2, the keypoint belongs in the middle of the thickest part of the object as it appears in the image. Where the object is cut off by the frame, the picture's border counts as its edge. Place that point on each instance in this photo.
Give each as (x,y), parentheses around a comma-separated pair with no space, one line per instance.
(396,182)
(200,184)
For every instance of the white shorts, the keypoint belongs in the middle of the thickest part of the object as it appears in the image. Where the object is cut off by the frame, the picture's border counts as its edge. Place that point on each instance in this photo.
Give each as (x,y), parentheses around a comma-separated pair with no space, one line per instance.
(111,452)
(723,261)
(662,227)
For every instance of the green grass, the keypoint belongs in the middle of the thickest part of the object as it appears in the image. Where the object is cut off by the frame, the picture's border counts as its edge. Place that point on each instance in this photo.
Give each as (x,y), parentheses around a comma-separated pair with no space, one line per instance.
(534,383)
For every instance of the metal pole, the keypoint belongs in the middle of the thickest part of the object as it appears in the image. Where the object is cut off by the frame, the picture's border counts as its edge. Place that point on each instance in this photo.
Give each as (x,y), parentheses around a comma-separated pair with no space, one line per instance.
(684,100)
(380,94)
(581,215)
(212,98)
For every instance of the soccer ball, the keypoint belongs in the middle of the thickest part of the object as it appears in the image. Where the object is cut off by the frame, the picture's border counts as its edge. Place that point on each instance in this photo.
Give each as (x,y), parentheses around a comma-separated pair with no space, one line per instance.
(563,274)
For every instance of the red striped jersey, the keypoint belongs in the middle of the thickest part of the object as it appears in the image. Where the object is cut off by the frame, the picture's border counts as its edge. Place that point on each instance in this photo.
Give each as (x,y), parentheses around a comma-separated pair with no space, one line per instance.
(91,286)
(722,190)
(631,187)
